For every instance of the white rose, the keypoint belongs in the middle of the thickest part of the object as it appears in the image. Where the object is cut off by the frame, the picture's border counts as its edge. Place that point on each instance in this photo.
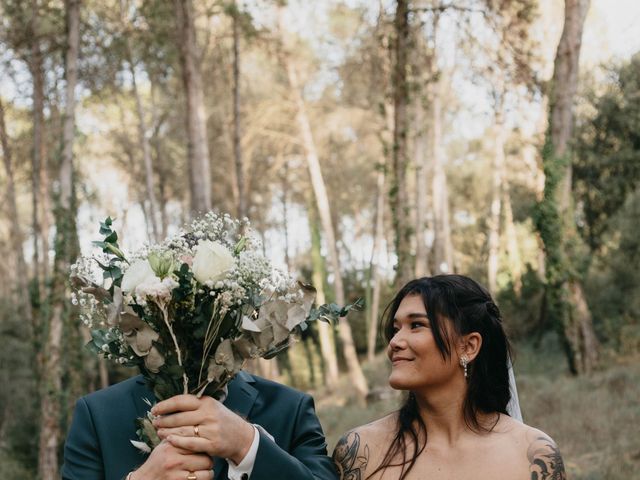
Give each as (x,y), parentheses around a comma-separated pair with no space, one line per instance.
(211,262)
(138,272)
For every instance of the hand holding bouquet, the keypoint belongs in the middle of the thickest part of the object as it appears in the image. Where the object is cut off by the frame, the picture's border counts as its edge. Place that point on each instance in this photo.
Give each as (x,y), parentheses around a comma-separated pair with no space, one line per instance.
(192,310)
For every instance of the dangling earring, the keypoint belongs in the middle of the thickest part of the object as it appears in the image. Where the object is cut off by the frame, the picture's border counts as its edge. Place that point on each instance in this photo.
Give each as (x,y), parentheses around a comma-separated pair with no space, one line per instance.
(464,361)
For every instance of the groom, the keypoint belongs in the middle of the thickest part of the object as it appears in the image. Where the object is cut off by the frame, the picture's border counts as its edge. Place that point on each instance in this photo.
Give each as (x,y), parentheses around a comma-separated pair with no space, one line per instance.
(280,438)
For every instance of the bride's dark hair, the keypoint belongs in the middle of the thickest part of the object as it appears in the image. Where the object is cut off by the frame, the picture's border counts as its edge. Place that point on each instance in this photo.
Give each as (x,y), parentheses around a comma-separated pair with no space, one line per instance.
(468,307)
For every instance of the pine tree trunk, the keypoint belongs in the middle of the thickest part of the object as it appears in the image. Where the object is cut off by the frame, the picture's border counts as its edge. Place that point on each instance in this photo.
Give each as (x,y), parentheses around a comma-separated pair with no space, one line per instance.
(497,171)
(399,192)
(39,145)
(565,297)
(325,331)
(17,238)
(198,146)
(422,178)
(442,246)
(386,139)
(38,163)
(377,251)
(144,142)
(160,163)
(237,146)
(66,249)
(324,210)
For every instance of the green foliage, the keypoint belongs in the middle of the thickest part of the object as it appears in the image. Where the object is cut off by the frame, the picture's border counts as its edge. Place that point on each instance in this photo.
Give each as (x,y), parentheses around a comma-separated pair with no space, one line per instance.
(614,279)
(553,230)
(606,182)
(607,146)
(18,396)
(521,311)
(110,247)
(332,312)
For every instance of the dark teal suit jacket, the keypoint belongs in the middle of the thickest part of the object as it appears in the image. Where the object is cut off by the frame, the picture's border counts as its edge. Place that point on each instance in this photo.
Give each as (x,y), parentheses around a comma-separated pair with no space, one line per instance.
(98,445)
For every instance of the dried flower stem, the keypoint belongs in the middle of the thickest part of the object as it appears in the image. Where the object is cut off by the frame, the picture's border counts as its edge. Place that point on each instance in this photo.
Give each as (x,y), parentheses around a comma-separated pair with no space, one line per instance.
(209,337)
(185,379)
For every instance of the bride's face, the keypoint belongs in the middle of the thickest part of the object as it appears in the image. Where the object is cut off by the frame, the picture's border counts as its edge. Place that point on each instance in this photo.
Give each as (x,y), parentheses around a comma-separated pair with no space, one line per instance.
(416,361)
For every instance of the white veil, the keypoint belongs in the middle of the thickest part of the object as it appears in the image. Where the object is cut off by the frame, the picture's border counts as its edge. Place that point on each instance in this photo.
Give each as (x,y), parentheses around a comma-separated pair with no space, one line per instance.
(513,407)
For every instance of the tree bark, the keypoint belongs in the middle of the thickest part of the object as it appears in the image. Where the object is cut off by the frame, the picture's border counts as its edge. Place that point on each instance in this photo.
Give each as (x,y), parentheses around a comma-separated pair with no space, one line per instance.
(386,140)
(325,331)
(377,251)
(144,139)
(237,146)
(555,218)
(422,177)
(39,172)
(17,238)
(148,162)
(160,163)
(399,193)
(497,172)
(66,249)
(324,211)
(564,87)
(442,245)
(198,146)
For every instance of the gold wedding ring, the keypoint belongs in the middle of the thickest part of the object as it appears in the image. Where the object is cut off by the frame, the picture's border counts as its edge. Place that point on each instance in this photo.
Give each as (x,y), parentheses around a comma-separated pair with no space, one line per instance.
(196,432)
(192,476)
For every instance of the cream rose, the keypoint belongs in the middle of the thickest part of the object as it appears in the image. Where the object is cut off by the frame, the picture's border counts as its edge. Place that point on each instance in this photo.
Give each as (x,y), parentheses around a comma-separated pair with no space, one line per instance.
(138,272)
(211,262)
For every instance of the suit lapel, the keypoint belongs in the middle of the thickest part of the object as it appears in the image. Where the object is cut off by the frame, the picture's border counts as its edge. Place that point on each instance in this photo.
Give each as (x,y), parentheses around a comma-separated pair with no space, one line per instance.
(242,395)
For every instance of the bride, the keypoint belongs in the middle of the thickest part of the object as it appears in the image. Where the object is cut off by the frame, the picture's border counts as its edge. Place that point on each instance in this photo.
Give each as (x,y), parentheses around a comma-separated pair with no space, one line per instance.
(448,349)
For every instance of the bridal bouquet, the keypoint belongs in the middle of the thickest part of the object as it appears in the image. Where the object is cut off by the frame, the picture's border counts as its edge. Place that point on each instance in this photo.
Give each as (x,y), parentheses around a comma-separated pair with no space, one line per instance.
(192,310)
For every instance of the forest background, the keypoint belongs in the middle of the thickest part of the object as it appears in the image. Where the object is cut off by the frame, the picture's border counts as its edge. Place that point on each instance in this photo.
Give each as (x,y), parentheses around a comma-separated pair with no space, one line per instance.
(368,143)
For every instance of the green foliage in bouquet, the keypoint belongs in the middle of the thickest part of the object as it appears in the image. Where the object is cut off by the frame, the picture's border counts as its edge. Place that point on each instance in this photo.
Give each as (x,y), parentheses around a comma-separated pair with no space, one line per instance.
(191,311)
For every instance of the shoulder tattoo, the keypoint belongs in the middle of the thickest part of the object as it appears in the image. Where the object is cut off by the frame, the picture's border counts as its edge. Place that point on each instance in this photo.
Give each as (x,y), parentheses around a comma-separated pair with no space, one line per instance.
(351,463)
(545,461)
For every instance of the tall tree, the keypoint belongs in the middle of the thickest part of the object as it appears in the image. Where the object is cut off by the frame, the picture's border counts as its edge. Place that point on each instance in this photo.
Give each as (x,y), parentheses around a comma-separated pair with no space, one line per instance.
(442,244)
(420,154)
(325,333)
(376,253)
(142,126)
(198,144)
(399,194)
(509,67)
(567,306)
(17,238)
(324,211)
(382,93)
(237,145)
(497,180)
(39,164)
(423,63)
(66,250)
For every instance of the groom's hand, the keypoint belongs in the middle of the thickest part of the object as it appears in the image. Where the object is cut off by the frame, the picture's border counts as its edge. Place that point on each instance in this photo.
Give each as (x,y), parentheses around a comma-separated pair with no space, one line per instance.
(168,462)
(219,432)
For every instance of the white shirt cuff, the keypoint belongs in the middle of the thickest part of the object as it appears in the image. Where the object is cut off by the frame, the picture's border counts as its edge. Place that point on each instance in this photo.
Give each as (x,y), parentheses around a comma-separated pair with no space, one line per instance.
(245,467)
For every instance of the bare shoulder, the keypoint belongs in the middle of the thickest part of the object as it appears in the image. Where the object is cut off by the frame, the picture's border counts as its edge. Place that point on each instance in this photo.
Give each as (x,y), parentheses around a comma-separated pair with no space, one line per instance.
(545,461)
(362,446)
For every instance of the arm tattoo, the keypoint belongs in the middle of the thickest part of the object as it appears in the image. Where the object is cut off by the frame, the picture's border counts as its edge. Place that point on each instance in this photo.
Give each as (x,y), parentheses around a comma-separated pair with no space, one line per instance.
(350,464)
(545,461)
